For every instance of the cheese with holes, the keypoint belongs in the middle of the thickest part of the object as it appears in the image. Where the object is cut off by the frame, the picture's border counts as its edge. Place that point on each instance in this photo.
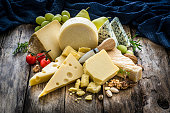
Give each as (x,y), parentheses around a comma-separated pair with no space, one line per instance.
(126,64)
(100,67)
(47,72)
(69,71)
(46,39)
(78,32)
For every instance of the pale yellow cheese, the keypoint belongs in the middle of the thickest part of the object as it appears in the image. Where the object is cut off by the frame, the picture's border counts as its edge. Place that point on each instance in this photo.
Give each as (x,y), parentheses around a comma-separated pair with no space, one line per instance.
(46,39)
(69,50)
(60,59)
(69,71)
(75,54)
(81,54)
(100,67)
(84,80)
(47,72)
(84,49)
(78,32)
(125,63)
(93,87)
(77,84)
(88,97)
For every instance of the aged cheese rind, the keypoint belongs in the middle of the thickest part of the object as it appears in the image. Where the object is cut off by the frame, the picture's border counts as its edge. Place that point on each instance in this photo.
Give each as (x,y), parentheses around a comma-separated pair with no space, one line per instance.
(126,64)
(46,39)
(119,32)
(78,32)
(47,72)
(100,67)
(69,71)
(105,32)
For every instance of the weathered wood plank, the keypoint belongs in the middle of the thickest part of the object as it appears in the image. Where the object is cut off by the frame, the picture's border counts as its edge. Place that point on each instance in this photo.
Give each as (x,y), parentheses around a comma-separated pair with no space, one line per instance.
(51,103)
(14,71)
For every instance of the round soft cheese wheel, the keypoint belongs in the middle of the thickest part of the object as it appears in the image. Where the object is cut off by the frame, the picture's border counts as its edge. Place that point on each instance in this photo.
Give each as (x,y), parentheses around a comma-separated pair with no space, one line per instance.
(78,32)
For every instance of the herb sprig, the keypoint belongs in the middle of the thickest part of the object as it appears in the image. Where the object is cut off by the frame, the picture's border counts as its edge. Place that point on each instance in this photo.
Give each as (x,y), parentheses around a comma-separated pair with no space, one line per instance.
(22,47)
(123,72)
(135,44)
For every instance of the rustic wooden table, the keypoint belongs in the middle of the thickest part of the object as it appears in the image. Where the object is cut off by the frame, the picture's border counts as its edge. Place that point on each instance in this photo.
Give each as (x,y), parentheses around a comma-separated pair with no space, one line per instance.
(150,95)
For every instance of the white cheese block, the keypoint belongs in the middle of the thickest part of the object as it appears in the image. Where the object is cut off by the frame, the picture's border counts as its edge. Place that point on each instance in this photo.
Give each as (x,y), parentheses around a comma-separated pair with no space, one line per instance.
(106,32)
(69,71)
(46,39)
(119,32)
(126,64)
(78,32)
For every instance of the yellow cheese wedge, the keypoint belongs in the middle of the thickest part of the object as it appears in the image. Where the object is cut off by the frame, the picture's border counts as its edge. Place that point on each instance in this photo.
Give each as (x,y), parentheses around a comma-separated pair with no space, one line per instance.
(100,67)
(78,32)
(46,39)
(47,72)
(125,63)
(68,72)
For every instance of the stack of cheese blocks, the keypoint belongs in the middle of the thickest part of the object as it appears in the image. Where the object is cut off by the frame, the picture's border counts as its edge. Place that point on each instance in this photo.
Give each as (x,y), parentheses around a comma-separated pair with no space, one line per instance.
(76,34)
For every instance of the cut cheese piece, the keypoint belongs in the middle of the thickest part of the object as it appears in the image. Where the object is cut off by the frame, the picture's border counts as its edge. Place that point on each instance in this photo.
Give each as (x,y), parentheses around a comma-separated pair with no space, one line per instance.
(126,64)
(68,50)
(93,88)
(68,72)
(47,72)
(78,32)
(46,39)
(100,67)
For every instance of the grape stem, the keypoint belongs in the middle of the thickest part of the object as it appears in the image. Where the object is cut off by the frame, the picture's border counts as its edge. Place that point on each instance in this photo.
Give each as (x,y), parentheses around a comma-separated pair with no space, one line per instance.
(87,8)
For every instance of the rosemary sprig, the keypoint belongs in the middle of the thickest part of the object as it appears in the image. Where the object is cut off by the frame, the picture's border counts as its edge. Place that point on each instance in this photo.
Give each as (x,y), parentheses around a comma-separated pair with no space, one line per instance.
(22,47)
(123,72)
(135,44)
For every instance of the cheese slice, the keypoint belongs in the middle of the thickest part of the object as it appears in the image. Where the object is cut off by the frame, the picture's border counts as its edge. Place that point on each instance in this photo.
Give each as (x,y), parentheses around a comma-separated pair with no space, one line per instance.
(126,64)
(78,32)
(46,39)
(47,72)
(100,67)
(68,72)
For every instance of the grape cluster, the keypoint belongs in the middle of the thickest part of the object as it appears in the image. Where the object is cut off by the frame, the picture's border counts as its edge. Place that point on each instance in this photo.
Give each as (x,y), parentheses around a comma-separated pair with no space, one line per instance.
(49,17)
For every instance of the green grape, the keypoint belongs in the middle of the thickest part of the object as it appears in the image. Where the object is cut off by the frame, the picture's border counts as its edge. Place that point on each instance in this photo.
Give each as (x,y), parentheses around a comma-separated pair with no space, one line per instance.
(129,52)
(37,28)
(44,23)
(65,12)
(40,19)
(49,16)
(64,18)
(122,48)
(57,17)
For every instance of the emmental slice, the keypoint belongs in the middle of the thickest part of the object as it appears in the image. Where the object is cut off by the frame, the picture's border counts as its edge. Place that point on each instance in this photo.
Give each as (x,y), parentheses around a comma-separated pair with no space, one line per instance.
(47,72)
(68,72)
(46,39)
(125,63)
(100,67)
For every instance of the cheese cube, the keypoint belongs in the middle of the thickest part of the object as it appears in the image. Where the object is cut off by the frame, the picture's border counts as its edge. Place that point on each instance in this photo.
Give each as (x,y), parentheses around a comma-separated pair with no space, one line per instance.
(68,50)
(93,88)
(75,54)
(84,80)
(81,54)
(47,72)
(84,49)
(88,97)
(80,93)
(77,84)
(100,67)
(69,71)
(46,39)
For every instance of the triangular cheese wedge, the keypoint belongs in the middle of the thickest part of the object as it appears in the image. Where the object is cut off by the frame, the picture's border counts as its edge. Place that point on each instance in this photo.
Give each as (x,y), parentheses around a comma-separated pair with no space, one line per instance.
(46,72)
(68,72)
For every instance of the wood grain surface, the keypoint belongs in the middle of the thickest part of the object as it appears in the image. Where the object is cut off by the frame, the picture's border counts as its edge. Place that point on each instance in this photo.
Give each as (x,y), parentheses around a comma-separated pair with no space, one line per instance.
(150,95)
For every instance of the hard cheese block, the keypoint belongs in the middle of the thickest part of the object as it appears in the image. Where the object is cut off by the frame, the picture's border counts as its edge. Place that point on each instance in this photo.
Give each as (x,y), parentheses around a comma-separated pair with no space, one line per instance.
(126,64)
(100,67)
(47,72)
(118,30)
(46,39)
(68,72)
(105,31)
(78,32)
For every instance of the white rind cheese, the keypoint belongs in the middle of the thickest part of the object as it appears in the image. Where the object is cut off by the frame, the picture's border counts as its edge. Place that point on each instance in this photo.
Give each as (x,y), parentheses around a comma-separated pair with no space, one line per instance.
(106,32)
(78,32)
(119,32)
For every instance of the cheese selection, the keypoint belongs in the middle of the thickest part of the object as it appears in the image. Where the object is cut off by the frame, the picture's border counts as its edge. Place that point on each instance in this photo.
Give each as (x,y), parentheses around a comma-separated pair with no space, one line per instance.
(46,39)
(78,32)
(100,67)
(69,71)
(69,42)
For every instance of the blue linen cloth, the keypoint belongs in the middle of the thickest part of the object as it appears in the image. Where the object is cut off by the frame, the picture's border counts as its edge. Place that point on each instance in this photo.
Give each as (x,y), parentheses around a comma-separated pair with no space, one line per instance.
(151,18)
